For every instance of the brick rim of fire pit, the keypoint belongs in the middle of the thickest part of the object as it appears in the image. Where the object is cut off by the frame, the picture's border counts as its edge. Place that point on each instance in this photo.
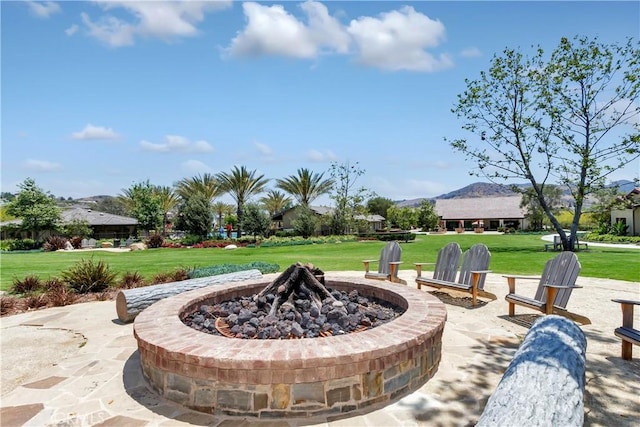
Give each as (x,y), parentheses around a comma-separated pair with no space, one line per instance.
(209,373)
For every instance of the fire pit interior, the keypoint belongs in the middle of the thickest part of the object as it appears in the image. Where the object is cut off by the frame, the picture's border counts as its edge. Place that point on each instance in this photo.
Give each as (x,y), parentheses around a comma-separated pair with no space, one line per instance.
(338,373)
(295,305)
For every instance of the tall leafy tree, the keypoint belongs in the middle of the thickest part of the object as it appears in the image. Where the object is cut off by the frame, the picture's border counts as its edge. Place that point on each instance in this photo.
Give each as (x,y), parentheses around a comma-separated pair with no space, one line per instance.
(427,216)
(275,201)
(241,184)
(306,223)
(195,216)
(36,209)
(255,220)
(306,186)
(142,202)
(568,119)
(378,205)
(404,218)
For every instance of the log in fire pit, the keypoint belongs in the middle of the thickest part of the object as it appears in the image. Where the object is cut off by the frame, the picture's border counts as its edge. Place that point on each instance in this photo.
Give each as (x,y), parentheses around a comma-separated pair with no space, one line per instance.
(334,375)
(295,305)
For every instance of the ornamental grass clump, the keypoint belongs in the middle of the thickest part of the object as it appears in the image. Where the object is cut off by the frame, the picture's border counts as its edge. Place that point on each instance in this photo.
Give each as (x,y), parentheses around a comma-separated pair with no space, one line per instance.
(28,285)
(131,280)
(89,276)
(58,293)
(7,304)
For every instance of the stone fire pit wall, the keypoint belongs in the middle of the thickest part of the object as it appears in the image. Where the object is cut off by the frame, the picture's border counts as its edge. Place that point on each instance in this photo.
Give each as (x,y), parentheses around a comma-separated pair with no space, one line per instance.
(297,378)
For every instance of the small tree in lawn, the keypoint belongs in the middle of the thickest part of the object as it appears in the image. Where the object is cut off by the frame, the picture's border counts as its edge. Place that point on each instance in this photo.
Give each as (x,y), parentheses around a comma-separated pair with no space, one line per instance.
(570,119)
(349,199)
(144,204)
(255,220)
(36,209)
(427,216)
(306,223)
(403,218)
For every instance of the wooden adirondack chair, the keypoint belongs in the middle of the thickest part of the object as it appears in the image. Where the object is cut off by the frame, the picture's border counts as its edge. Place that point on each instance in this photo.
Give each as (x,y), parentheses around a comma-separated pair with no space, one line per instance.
(627,333)
(387,265)
(554,288)
(446,265)
(472,275)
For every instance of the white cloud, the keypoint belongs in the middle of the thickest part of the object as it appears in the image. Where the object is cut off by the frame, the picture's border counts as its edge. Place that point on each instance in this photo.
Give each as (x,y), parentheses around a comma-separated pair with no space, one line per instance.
(263,149)
(72,30)
(318,156)
(41,165)
(271,30)
(91,132)
(195,166)
(398,40)
(472,52)
(165,20)
(176,143)
(43,9)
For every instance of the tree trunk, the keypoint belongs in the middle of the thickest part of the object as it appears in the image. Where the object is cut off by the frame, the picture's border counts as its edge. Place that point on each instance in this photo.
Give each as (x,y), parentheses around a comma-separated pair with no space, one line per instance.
(130,302)
(544,383)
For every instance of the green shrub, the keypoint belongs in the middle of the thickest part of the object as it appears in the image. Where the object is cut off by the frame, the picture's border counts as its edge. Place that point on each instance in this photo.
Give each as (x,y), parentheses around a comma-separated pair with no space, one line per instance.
(610,238)
(23,245)
(89,276)
(28,285)
(286,233)
(5,245)
(190,240)
(214,270)
(386,237)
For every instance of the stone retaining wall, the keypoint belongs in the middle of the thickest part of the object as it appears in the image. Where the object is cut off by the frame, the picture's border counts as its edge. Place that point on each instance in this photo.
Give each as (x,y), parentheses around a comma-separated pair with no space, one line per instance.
(323,377)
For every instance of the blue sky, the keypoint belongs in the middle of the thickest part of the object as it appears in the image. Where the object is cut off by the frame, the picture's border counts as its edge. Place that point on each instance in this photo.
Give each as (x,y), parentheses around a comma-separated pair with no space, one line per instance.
(99,95)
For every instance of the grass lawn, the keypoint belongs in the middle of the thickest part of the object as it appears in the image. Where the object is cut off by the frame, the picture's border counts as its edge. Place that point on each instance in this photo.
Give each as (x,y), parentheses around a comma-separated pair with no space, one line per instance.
(516,254)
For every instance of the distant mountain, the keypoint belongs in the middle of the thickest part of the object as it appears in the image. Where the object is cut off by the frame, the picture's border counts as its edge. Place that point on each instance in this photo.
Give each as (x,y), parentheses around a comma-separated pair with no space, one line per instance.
(478,189)
(486,189)
(624,185)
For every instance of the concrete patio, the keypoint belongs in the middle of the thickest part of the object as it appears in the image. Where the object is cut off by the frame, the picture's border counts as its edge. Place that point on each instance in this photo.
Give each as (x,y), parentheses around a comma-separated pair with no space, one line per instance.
(79,366)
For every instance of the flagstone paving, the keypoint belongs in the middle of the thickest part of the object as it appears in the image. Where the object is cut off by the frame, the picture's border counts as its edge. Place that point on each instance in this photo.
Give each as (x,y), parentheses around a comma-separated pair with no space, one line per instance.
(79,366)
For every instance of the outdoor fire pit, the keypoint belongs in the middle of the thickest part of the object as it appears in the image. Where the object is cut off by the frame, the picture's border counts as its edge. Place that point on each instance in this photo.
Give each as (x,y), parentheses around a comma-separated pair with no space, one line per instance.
(328,376)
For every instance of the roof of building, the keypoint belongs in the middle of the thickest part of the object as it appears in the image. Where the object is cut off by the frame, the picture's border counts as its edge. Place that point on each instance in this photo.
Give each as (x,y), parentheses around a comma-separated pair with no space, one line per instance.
(480,208)
(95,217)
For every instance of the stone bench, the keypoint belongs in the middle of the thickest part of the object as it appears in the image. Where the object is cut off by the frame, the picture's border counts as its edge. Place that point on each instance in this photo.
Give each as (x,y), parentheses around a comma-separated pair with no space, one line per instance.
(544,383)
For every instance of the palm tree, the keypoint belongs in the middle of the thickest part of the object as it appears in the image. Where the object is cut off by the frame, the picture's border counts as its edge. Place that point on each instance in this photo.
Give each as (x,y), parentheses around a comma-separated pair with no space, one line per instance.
(306,186)
(275,201)
(169,199)
(241,185)
(205,184)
